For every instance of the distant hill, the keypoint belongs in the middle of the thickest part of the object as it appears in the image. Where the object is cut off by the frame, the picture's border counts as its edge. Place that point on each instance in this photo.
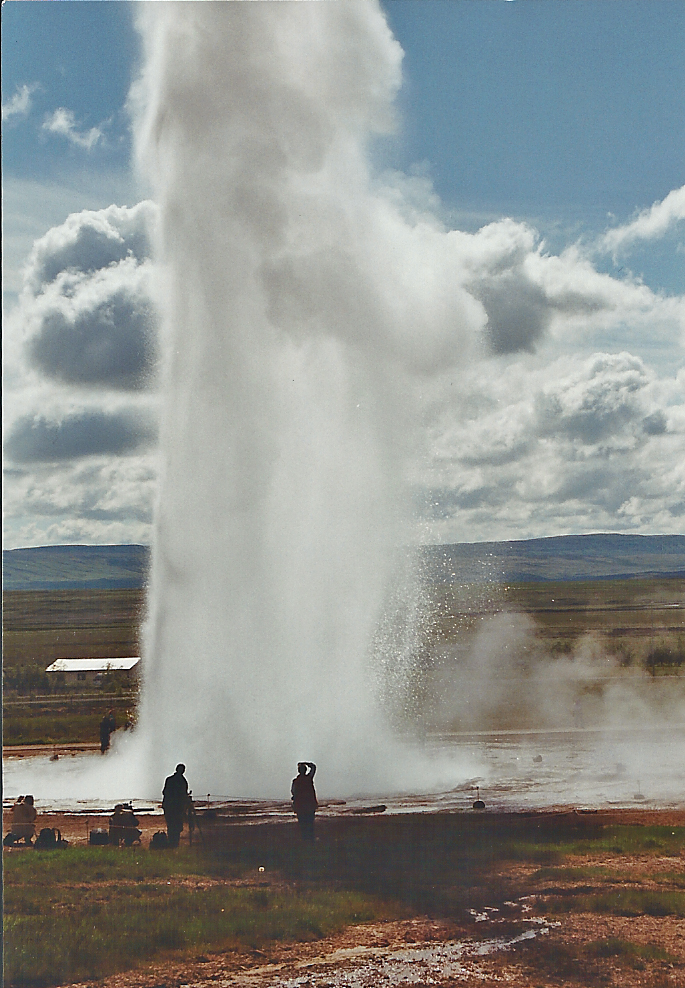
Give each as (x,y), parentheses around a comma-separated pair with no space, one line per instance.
(564,557)
(76,567)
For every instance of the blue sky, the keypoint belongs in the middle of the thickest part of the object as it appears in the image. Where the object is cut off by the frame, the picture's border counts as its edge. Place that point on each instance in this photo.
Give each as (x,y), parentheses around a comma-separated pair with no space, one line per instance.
(563,117)
(547,109)
(562,113)
(77,55)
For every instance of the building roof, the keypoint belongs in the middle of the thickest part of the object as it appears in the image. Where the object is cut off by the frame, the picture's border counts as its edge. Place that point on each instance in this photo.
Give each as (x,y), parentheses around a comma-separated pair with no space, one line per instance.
(93,665)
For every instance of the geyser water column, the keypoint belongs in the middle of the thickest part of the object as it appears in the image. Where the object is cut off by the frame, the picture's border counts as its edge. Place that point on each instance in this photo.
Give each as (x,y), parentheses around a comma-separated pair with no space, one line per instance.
(289,294)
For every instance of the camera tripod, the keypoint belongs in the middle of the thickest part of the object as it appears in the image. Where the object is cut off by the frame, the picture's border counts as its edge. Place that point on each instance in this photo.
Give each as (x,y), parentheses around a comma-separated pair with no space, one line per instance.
(193,821)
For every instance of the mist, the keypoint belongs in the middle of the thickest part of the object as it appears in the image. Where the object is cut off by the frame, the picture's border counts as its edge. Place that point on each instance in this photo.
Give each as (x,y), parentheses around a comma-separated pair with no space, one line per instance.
(505,678)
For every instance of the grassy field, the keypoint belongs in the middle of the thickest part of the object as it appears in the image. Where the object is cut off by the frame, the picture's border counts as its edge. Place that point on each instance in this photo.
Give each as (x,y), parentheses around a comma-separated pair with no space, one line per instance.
(84,912)
(40,626)
(639,623)
(628,617)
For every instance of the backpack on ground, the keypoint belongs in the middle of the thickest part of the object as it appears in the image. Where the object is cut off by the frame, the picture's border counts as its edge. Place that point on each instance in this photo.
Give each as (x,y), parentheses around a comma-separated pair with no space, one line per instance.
(159,841)
(49,838)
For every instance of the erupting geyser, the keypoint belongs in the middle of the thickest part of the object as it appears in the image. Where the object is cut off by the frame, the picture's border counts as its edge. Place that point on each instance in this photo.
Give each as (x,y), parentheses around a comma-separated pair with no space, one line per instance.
(297,302)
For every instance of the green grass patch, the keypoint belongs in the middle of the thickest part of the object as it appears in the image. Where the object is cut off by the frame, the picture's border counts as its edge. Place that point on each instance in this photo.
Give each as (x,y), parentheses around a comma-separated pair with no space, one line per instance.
(636,954)
(671,878)
(86,913)
(582,964)
(86,865)
(625,839)
(535,852)
(95,933)
(574,874)
(553,850)
(624,902)
(51,728)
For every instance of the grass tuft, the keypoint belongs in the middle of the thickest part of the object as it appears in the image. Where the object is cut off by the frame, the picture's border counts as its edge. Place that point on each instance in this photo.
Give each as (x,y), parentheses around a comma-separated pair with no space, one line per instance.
(636,955)
(624,902)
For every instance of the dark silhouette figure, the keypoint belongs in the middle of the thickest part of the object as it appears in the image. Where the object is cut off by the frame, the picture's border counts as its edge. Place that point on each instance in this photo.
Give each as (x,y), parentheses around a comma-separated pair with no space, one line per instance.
(175,804)
(123,826)
(304,798)
(24,819)
(107,727)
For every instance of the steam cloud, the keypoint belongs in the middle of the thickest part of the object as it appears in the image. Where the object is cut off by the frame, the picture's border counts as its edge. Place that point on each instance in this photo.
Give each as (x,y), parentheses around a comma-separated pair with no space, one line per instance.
(506,679)
(307,303)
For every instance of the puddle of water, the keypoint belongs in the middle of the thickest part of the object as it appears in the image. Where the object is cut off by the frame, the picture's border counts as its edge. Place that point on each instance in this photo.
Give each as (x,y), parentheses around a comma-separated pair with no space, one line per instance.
(368,967)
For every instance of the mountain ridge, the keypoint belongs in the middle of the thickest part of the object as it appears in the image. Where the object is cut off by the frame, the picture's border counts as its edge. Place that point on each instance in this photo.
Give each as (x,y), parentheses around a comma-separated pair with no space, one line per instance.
(557,557)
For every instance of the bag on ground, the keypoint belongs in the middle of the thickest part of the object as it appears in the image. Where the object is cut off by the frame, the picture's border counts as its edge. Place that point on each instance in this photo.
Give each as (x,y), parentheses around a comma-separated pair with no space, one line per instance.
(49,838)
(159,841)
(99,836)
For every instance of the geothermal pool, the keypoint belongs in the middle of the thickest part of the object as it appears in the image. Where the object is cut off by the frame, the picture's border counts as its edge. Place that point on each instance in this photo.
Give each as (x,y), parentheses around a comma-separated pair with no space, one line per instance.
(523,770)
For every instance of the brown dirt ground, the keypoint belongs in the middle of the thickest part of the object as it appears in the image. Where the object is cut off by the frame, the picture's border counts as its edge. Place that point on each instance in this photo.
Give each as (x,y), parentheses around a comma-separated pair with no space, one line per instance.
(359,955)
(75,827)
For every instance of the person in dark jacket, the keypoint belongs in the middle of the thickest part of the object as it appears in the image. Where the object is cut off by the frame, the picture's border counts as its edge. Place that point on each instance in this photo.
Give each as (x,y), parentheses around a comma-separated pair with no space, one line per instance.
(107,727)
(304,798)
(175,804)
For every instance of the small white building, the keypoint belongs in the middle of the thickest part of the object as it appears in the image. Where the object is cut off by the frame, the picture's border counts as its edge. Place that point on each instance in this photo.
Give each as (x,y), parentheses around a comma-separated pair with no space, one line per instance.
(91,672)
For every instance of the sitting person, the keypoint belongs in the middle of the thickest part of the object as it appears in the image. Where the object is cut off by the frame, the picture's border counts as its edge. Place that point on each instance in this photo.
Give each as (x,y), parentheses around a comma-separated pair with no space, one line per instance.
(123,825)
(24,816)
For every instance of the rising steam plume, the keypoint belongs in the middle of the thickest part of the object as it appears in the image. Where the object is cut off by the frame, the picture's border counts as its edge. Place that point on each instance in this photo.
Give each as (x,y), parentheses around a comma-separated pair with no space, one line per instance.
(297,304)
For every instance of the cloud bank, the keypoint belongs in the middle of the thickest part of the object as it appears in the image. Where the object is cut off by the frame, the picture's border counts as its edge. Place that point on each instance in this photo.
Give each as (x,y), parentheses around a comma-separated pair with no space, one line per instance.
(85,434)
(527,431)
(81,351)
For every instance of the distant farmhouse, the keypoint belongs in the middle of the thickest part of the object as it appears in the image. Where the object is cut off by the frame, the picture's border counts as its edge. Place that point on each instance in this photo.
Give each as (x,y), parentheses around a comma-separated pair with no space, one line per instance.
(92,672)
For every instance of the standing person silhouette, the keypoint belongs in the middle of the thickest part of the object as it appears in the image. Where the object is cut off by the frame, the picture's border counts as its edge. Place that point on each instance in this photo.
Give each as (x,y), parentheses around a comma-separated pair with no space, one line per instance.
(175,803)
(304,798)
(105,731)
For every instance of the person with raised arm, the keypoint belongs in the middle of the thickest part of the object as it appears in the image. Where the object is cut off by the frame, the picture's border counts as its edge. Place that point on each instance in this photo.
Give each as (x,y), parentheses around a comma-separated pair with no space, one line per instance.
(304,798)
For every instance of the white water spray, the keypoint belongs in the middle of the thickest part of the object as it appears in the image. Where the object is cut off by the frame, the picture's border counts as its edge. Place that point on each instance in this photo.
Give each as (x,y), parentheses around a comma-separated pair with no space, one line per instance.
(296,304)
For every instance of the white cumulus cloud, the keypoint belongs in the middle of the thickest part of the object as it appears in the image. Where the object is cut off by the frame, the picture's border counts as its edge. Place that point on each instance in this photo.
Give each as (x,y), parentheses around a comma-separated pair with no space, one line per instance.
(63,122)
(649,224)
(20,103)
(85,316)
(80,400)
(534,446)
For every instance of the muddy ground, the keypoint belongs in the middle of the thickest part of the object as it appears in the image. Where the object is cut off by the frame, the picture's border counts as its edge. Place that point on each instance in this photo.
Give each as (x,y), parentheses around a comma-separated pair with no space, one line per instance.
(521,940)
